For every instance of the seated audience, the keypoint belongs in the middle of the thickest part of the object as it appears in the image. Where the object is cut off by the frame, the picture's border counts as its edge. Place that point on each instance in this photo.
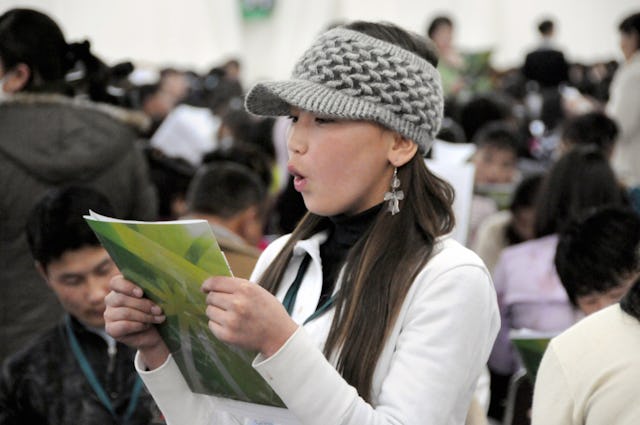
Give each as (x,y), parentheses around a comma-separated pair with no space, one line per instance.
(529,291)
(589,374)
(530,294)
(74,373)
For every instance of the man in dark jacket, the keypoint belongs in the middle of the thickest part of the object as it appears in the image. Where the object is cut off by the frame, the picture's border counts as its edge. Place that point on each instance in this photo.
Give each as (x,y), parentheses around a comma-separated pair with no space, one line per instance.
(74,373)
(546,65)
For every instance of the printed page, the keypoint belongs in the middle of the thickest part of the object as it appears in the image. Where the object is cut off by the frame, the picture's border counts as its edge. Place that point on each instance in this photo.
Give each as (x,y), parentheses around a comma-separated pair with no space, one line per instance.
(170,260)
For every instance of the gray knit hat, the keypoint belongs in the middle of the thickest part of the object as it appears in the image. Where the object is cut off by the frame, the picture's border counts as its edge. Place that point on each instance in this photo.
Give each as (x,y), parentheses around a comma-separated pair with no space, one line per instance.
(349,75)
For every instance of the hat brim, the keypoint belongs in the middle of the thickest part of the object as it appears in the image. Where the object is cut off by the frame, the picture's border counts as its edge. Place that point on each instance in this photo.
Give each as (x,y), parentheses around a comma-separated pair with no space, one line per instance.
(276,98)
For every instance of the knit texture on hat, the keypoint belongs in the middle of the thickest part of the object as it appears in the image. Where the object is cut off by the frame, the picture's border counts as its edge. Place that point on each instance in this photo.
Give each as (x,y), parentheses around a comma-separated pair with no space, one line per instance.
(349,75)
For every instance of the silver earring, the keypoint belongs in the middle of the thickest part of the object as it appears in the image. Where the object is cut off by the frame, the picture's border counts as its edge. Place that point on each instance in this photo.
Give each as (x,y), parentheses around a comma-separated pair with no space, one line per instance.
(394,196)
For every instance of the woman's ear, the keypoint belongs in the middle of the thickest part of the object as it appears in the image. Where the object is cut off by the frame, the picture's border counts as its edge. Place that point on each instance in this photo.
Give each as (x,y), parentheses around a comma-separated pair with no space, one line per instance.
(401,150)
(17,78)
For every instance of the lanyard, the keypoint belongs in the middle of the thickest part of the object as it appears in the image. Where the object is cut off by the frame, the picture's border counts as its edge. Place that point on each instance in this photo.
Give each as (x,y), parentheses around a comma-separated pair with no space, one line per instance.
(93,381)
(292,293)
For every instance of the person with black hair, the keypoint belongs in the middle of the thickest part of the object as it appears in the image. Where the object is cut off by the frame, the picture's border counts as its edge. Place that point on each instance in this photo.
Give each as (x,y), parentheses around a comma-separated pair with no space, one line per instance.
(171,177)
(624,103)
(48,140)
(496,156)
(389,319)
(249,155)
(597,257)
(73,373)
(511,226)
(589,374)
(530,294)
(546,65)
(451,63)
(590,129)
(481,109)
(234,200)
(496,173)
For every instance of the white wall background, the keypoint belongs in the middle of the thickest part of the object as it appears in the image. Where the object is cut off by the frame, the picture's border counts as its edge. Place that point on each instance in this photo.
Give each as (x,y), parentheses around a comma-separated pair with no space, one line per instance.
(198,34)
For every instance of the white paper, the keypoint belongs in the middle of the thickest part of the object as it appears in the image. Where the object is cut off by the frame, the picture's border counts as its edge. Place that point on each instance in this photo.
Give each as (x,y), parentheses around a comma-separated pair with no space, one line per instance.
(460,176)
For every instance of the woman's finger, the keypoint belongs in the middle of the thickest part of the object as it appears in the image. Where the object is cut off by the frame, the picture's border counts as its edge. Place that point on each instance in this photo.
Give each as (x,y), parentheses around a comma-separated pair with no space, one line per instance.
(221,300)
(221,284)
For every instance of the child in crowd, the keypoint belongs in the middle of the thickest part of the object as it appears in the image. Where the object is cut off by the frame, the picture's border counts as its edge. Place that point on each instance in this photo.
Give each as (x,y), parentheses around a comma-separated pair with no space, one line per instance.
(589,373)
(73,373)
(496,172)
(496,156)
(393,321)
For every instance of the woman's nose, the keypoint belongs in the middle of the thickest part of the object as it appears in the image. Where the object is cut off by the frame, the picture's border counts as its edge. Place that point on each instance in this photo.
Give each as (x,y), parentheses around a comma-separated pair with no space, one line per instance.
(296,142)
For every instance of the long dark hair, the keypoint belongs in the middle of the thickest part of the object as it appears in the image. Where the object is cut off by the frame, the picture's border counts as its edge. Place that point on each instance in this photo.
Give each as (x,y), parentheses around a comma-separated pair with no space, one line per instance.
(581,179)
(383,264)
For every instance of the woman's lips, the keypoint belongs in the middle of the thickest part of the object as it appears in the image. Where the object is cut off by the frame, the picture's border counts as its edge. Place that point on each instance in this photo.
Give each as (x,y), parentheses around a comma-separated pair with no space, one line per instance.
(299,182)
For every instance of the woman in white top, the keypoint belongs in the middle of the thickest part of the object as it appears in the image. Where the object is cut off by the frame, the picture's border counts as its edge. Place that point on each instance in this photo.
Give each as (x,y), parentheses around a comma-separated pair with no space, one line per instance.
(388,319)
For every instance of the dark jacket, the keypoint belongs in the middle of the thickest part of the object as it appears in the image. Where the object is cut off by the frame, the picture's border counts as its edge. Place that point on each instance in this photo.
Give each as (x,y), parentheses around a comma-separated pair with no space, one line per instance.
(546,66)
(49,141)
(44,384)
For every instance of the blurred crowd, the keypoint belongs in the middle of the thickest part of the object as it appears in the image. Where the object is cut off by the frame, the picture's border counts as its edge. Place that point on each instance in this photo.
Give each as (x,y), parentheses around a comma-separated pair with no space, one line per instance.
(552,143)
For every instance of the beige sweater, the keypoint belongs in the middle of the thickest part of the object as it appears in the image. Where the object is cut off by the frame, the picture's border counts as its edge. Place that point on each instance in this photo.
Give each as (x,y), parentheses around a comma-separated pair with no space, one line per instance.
(590,374)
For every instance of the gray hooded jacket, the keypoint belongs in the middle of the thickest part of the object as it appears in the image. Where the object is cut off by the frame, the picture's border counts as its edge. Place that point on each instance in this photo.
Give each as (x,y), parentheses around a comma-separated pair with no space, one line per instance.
(49,141)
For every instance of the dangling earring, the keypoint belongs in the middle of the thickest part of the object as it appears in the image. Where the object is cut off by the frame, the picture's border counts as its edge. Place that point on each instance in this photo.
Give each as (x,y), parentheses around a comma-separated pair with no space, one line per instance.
(395,195)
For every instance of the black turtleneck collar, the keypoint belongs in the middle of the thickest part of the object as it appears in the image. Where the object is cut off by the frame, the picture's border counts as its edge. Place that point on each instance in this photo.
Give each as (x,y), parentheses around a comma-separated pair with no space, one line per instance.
(344,232)
(347,229)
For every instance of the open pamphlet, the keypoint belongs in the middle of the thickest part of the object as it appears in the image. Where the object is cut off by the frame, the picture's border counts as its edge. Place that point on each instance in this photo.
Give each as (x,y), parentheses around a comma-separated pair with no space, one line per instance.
(169,260)
(531,346)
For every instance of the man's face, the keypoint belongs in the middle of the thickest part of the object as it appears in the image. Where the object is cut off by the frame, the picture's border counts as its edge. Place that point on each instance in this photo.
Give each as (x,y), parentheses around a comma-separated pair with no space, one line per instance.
(80,280)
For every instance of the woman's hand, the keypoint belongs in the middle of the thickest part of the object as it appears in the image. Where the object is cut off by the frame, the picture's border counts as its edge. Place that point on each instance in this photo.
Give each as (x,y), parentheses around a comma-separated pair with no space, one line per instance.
(129,318)
(245,314)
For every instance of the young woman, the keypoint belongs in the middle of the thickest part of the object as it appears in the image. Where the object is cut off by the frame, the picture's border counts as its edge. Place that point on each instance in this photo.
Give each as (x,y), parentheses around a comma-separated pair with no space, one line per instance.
(388,320)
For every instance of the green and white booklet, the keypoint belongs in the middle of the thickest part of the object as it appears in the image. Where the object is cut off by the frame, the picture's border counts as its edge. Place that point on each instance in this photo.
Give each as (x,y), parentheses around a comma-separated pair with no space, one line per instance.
(531,345)
(170,260)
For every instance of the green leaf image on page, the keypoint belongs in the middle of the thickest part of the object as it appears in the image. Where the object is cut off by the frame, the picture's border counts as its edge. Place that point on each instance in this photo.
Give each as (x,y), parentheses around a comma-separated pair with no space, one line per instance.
(170,260)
